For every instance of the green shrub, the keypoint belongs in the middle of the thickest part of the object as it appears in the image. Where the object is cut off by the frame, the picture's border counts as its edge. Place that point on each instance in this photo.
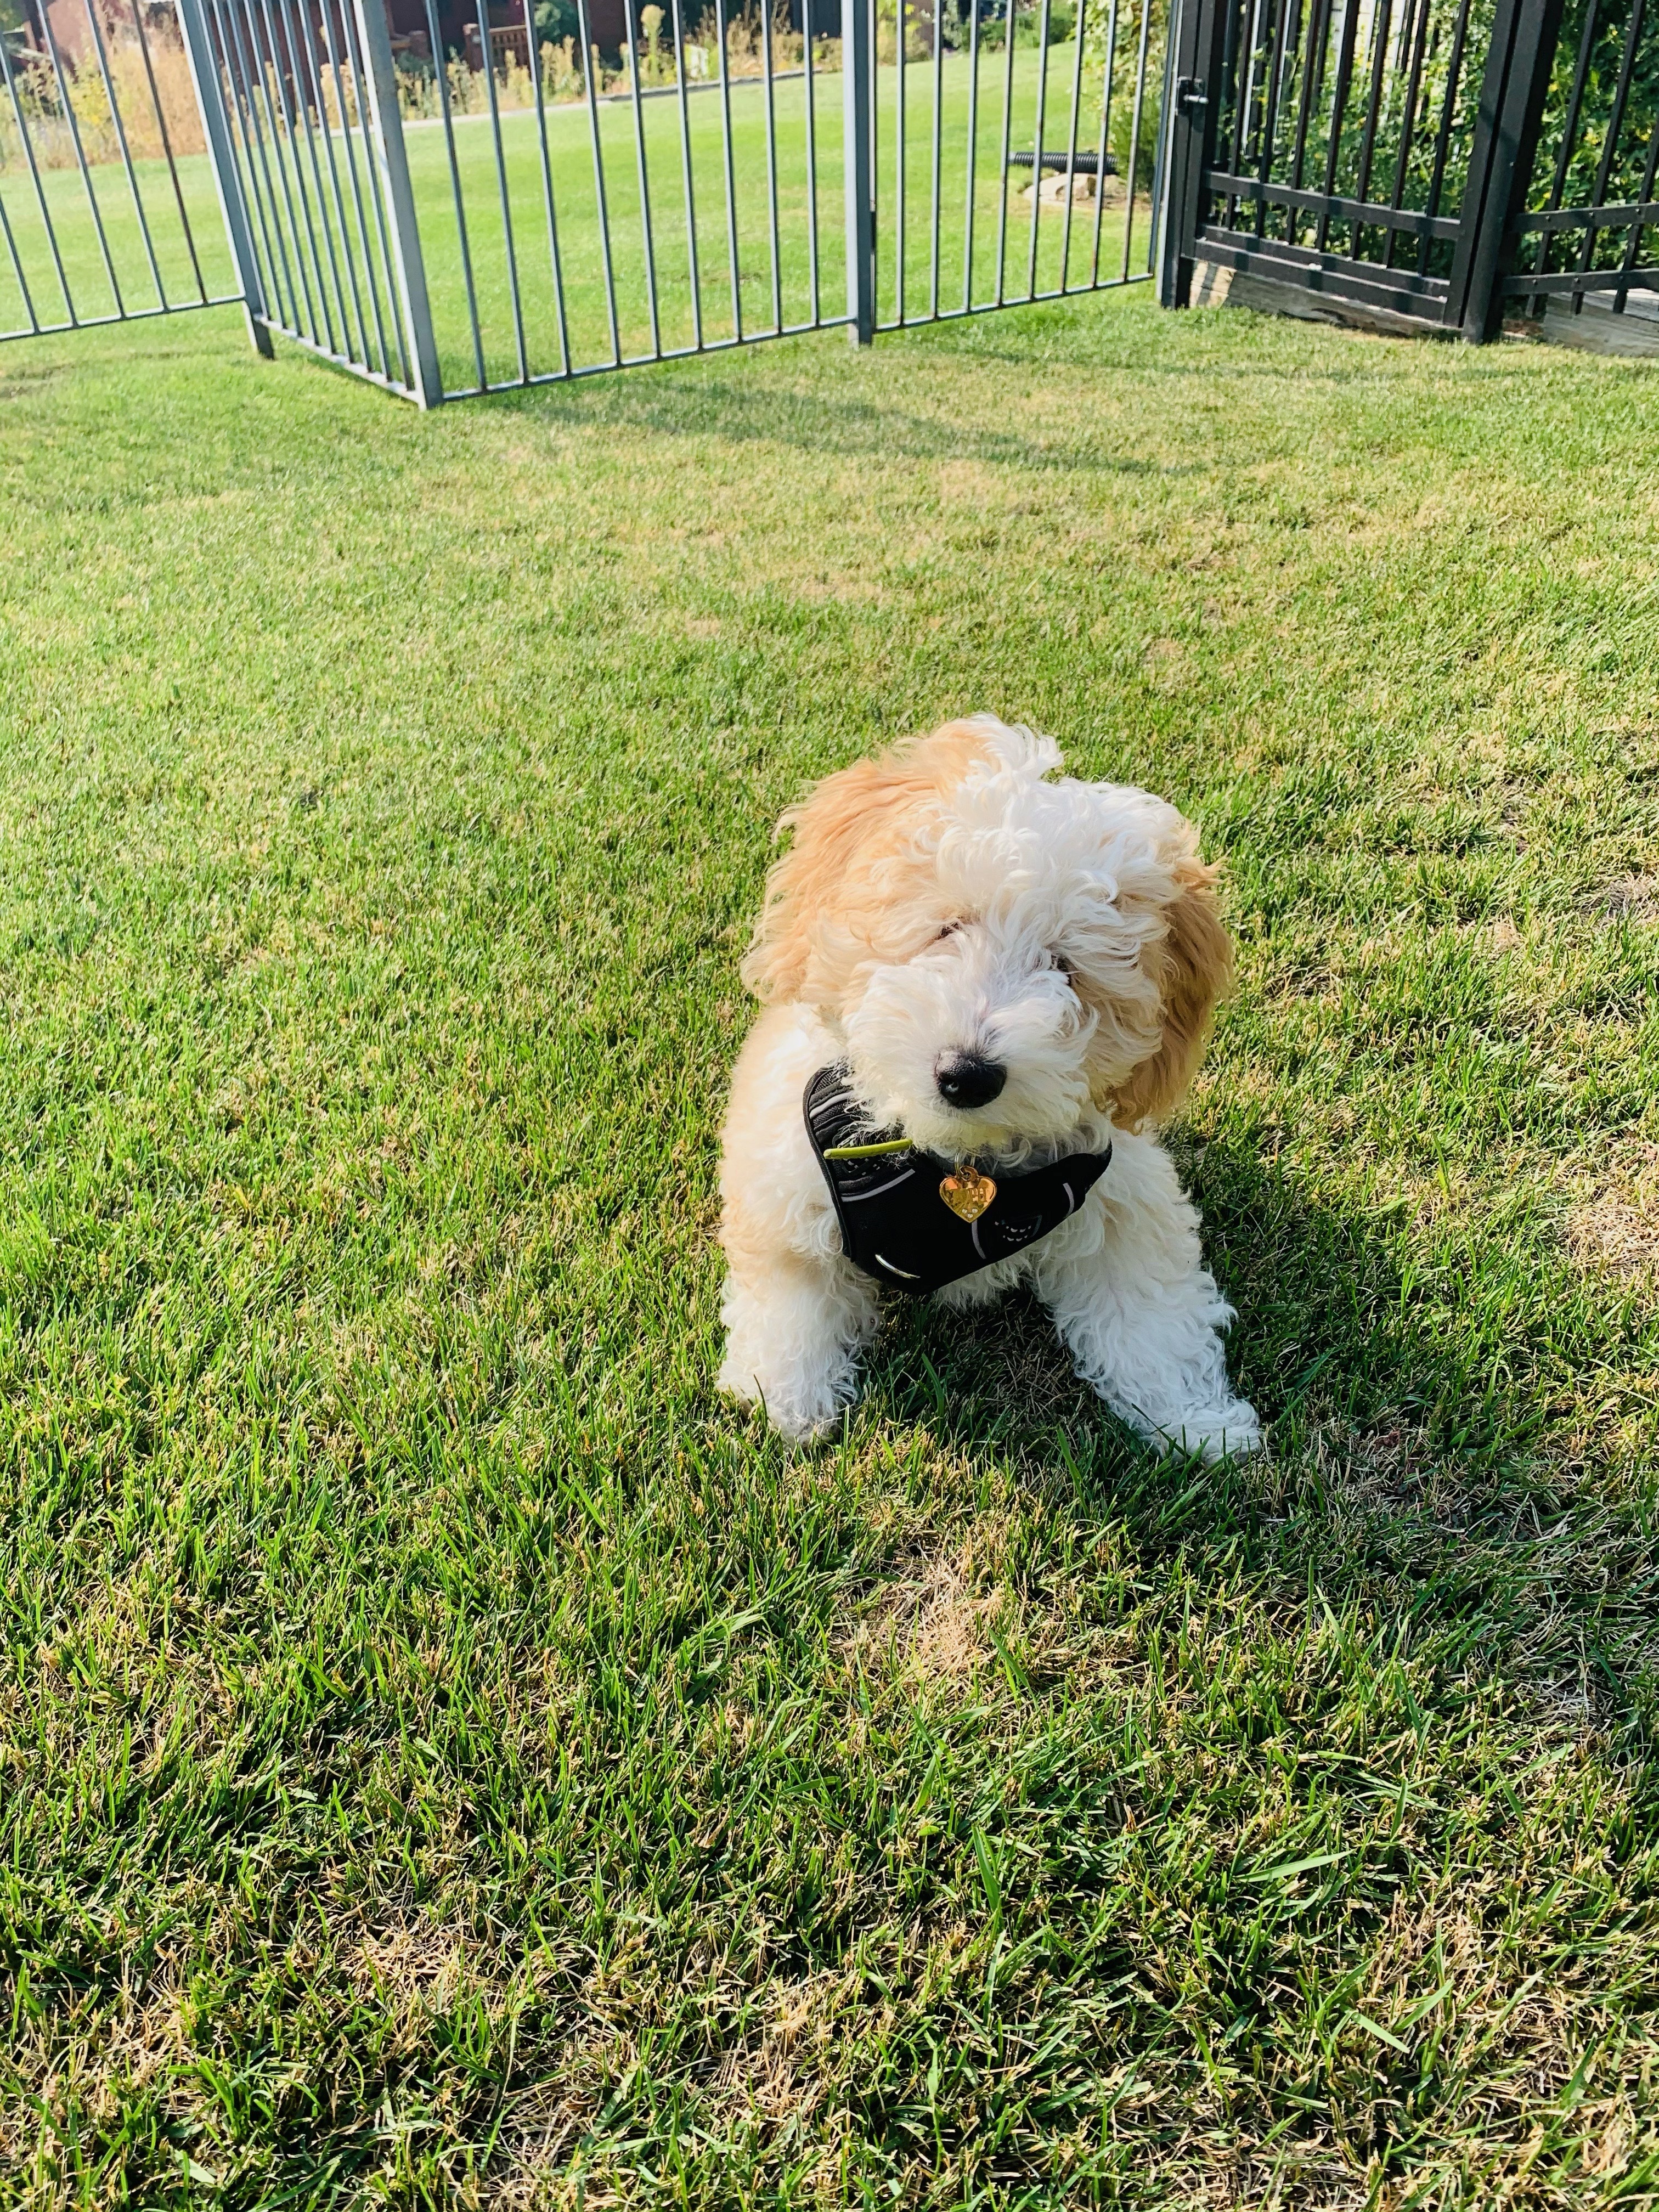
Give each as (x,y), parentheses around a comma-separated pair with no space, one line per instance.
(1028,25)
(555,19)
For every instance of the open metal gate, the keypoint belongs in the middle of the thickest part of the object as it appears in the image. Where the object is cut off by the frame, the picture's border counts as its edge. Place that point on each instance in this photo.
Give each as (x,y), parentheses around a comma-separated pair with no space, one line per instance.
(107,209)
(1441,165)
(446,215)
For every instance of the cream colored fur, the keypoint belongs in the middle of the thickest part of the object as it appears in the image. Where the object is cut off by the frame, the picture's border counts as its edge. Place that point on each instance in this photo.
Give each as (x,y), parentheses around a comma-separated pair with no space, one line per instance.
(952,897)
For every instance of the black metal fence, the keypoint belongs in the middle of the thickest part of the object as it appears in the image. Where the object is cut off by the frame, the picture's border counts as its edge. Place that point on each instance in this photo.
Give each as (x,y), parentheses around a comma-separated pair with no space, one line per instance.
(1434,164)
(1584,244)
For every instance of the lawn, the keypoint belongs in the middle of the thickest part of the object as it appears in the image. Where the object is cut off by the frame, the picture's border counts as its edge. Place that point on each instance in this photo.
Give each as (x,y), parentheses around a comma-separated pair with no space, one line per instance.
(448,1757)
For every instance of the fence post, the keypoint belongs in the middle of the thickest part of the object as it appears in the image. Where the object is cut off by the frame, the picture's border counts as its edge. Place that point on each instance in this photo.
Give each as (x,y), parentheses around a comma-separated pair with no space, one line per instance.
(1501,156)
(387,124)
(855,73)
(221,159)
(1194,76)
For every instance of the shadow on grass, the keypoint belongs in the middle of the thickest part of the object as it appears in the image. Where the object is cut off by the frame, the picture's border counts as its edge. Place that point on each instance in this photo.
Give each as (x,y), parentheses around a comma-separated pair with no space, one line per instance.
(1408,1472)
(670,404)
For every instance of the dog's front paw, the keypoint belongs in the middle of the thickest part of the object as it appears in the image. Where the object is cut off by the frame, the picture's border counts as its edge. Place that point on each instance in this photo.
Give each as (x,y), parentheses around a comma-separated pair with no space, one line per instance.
(803,1408)
(1215,1432)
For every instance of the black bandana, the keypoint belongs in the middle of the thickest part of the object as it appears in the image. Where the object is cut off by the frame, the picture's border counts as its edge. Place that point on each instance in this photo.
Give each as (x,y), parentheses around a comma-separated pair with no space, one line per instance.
(895,1224)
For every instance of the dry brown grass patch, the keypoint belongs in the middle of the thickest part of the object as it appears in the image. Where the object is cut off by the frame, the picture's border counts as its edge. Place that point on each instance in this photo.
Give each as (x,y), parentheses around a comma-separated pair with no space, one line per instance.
(1614,1227)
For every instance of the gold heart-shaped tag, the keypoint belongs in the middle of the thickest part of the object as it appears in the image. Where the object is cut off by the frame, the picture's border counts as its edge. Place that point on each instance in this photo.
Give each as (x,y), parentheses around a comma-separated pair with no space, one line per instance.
(968,1193)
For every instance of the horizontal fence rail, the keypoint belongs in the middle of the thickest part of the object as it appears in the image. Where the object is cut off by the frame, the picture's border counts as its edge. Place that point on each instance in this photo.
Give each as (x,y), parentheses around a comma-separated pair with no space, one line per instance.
(1586,237)
(107,209)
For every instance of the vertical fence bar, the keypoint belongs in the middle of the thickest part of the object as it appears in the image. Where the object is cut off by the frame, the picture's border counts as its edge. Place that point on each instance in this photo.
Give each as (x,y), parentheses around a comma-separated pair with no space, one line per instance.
(1339,110)
(938,103)
(547,176)
(97,30)
(1037,148)
(1380,28)
(221,60)
(221,160)
(1512,93)
(382,280)
(447,125)
(899,149)
(1007,145)
(1284,35)
(426,384)
(772,163)
(166,149)
(1071,150)
(590,82)
(1569,135)
(1105,124)
(1289,47)
(21,280)
(856,47)
(369,277)
(1650,177)
(686,178)
(247,109)
(302,82)
(315,68)
(873,75)
(1162,158)
(269,67)
(487,39)
(1610,142)
(1418,50)
(376,194)
(1443,135)
(645,181)
(1243,112)
(282,145)
(40,192)
(973,158)
(730,179)
(1319,31)
(80,152)
(1197,35)
(811,166)
(1134,136)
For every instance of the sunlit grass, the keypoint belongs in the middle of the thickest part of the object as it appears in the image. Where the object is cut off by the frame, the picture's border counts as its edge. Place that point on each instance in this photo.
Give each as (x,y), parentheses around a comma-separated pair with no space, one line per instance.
(447,1756)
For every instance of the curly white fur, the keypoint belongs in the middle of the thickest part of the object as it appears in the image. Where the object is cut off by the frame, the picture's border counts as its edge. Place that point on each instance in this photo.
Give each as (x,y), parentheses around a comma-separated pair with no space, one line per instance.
(951,899)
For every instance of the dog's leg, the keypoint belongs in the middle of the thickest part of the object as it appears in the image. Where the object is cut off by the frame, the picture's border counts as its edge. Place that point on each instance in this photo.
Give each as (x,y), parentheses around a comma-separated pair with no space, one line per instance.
(1139,1311)
(796,1312)
(794,1330)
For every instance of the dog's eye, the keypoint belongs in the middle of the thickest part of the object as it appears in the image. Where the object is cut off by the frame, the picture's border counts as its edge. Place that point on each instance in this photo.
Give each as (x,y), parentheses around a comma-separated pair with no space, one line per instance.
(949,930)
(1064,965)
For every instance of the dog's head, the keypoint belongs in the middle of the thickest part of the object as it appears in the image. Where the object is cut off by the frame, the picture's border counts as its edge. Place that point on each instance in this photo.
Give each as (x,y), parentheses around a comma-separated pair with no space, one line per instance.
(1008,958)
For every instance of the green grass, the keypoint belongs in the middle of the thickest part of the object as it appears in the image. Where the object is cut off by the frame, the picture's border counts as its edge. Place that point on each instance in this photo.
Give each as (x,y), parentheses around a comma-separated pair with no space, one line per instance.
(449,1757)
(322,275)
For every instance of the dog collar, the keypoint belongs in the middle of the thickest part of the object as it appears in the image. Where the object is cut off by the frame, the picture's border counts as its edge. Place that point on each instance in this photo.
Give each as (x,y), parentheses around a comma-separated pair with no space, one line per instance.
(917,1221)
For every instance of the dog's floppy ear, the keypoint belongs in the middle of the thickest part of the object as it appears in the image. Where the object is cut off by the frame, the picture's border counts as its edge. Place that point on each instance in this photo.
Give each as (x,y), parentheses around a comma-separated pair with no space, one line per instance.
(1194,966)
(835,871)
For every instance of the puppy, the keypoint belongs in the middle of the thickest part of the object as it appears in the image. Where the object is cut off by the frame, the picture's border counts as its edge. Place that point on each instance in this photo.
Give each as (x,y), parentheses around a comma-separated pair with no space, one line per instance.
(982,989)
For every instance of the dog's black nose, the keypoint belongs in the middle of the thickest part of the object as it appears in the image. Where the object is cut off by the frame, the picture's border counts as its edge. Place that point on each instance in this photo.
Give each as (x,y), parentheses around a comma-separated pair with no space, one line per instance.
(964,1080)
